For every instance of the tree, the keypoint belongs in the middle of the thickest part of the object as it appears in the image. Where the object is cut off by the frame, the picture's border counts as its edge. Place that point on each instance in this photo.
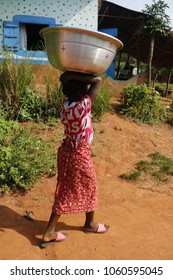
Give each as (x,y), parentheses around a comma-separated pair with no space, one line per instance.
(155,21)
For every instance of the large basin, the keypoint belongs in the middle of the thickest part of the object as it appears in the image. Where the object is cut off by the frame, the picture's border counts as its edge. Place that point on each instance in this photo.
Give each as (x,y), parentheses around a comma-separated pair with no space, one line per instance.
(75,49)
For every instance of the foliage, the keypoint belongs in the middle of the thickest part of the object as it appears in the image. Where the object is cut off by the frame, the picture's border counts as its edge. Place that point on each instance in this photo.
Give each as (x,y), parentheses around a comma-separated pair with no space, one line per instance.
(102,103)
(163,86)
(23,159)
(15,80)
(39,107)
(131,176)
(53,98)
(142,104)
(20,100)
(171,106)
(159,167)
(169,118)
(156,19)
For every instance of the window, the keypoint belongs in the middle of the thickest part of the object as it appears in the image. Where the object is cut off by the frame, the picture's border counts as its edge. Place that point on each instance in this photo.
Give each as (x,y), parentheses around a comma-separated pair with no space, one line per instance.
(23,33)
(30,38)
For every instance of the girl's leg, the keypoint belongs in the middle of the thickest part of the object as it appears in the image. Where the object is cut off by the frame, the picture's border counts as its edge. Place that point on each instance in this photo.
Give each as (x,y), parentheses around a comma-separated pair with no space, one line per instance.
(50,232)
(91,226)
(89,221)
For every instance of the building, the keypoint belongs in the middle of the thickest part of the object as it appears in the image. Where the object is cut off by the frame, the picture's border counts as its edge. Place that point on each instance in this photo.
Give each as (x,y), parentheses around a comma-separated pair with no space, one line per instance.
(21,21)
(136,40)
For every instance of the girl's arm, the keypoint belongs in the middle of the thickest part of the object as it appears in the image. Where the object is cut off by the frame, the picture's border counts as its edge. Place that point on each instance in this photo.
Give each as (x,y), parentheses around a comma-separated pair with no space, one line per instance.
(93,82)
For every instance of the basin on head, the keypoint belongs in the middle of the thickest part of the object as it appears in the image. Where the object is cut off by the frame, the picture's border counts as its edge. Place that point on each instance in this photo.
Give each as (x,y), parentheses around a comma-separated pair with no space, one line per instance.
(80,50)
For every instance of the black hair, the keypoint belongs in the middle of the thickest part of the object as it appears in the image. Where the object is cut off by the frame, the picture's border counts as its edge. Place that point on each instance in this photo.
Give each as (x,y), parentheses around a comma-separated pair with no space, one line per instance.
(74,90)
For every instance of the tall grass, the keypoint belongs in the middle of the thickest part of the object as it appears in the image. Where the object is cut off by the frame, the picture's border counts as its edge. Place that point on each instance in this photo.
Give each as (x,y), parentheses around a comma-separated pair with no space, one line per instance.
(102,104)
(16,79)
(22,100)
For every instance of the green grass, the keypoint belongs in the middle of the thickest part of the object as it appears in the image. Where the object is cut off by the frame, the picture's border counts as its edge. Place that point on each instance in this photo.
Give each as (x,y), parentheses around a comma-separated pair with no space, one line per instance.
(158,167)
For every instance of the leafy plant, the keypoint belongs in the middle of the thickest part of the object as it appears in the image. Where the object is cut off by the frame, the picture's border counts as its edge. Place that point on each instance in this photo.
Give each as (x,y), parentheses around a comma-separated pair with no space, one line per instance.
(23,159)
(142,104)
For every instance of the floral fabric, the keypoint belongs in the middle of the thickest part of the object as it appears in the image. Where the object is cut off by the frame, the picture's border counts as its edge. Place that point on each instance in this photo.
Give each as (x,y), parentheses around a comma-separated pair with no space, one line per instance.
(76,190)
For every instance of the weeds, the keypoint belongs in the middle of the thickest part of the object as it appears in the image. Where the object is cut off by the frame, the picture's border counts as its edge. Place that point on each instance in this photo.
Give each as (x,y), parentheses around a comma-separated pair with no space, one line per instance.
(102,103)
(159,167)
(169,118)
(16,79)
(21,101)
(132,176)
(23,159)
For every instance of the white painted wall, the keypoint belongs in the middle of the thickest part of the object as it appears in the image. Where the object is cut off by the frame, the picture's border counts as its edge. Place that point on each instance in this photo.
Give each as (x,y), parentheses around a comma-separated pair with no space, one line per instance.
(74,13)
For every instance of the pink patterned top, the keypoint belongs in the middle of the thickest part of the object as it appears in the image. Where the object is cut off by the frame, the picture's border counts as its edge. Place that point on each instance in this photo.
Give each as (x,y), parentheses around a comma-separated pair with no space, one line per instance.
(76,119)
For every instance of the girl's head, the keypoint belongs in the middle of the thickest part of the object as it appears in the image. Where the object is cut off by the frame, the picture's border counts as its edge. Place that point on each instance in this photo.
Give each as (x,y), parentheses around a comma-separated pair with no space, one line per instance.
(74,90)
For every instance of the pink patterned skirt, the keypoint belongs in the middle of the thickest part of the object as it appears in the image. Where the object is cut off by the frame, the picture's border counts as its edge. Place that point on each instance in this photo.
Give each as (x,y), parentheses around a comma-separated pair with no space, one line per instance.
(76,190)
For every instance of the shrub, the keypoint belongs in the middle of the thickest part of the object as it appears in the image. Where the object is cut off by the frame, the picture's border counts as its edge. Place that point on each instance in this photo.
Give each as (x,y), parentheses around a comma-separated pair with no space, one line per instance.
(142,104)
(23,159)
(39,107)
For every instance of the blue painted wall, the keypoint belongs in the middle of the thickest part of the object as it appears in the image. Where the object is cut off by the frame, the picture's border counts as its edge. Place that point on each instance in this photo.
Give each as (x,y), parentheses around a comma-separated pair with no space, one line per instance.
(113,32)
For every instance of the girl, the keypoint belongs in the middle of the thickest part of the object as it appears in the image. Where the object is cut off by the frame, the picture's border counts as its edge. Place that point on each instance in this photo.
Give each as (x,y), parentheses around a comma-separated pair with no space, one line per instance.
(76,190)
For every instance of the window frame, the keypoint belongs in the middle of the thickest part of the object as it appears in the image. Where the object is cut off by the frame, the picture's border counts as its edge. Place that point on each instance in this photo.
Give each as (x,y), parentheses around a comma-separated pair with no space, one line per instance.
(12,34)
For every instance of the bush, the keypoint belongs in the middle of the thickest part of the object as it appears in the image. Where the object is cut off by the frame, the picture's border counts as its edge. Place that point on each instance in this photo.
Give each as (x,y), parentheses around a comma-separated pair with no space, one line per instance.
(39,107)
(142,104)
(23,159)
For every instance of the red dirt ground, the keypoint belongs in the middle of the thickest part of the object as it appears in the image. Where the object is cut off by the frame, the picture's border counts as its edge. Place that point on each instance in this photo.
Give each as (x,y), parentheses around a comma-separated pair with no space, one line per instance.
(140,214)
